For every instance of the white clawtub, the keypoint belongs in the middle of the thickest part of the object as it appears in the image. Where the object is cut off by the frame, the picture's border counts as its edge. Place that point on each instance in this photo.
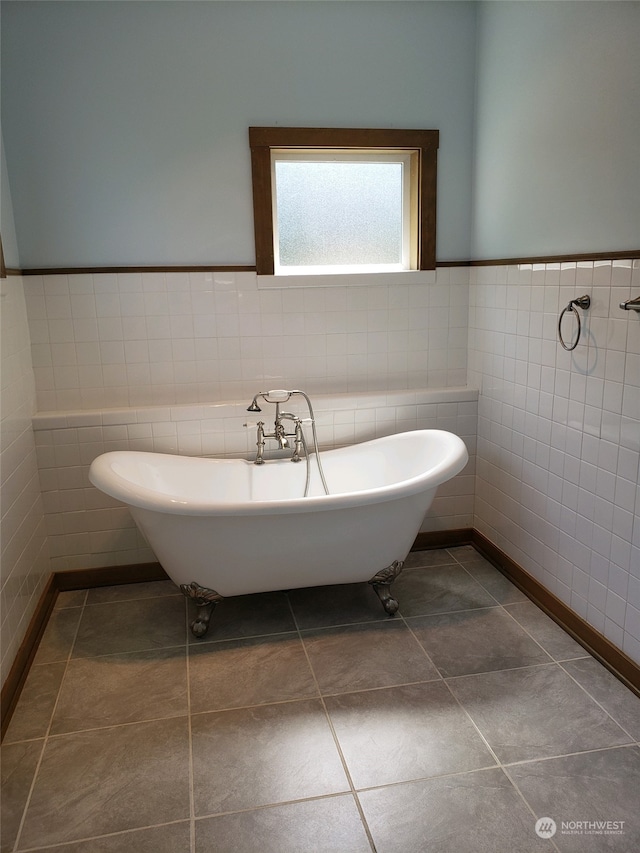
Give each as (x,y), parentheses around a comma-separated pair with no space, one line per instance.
(223,527)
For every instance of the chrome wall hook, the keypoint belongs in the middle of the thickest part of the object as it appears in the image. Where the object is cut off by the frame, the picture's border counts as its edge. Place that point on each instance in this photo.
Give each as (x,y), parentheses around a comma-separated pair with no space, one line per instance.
(631,304)
(581,301)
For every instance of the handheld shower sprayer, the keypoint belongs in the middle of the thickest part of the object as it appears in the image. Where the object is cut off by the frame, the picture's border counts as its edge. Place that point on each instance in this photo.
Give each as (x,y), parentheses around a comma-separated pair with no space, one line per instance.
(277,396)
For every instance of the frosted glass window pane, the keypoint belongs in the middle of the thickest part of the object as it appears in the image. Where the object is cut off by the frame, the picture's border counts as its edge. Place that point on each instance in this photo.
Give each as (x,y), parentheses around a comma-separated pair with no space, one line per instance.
(337,213)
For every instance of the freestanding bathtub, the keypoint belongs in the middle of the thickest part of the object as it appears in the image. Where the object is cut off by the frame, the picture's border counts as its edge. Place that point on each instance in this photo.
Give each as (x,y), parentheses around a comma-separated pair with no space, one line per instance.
(223,527)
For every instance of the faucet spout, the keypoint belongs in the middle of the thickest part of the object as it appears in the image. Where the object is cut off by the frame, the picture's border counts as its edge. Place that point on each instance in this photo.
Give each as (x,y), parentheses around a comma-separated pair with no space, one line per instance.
(281,438)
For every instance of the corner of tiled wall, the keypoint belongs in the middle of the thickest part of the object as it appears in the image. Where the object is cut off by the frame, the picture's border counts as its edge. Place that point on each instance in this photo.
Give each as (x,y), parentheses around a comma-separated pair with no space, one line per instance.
(559,433)
(25,558)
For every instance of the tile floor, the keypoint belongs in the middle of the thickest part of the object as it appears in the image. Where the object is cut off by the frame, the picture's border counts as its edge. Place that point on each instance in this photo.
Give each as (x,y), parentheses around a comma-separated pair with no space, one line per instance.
(312,722)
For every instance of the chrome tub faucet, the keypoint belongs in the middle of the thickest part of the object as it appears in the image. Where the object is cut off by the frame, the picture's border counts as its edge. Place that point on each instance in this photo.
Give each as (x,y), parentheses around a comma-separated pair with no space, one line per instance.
(279,433)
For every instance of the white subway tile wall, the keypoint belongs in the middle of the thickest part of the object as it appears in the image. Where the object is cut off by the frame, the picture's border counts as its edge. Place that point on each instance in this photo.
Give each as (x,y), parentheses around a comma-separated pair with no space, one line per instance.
(149,339)
(25,557)
(559,433)
(88,529)
(148,360)
(135,361)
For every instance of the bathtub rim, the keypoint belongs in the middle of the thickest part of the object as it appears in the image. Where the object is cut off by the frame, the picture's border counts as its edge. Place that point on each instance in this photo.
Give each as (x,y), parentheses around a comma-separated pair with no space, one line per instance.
(103,477)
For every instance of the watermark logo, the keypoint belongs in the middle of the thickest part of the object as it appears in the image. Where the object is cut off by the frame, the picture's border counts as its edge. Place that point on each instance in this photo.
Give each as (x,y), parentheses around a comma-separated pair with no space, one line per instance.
(546,827)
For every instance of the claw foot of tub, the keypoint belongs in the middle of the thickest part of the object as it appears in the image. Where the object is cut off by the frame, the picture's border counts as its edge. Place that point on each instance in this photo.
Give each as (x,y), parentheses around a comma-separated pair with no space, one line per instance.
(206,600)
(381,582)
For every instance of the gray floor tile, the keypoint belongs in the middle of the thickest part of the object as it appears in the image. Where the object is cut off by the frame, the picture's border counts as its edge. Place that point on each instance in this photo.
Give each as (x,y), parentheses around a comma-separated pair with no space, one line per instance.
(109,780)
(441,589)
(476,641)
(404,733)
(327,606)
(71,598)
(253,671)
(364,656)
(125,688)
(493,580)
(479,812)
(618,700)
(129,626)
(263,755)
(18,765)
(267,771)
(464,553)
(423,559)
(593,786)
(172,838)
(552,638)
(329,825)
(32,714)
(247,616)
(130,591)
(58,637)
(534,713)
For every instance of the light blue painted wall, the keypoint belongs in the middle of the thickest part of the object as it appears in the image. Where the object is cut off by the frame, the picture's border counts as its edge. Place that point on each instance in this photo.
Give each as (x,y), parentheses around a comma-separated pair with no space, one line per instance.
(557,165)
(126,123)
(7,225)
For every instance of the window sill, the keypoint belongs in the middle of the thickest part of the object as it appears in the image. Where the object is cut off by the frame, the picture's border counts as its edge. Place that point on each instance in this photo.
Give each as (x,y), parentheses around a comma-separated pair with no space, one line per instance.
(346,279)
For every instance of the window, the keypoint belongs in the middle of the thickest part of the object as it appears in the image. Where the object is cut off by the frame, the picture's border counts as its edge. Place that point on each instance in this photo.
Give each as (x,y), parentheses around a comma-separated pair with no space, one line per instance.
(343,201)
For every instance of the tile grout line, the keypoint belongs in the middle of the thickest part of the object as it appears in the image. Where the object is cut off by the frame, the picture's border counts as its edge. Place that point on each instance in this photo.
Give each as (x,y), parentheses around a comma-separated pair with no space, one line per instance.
(526,802)
(343,760)
(266,806)
(499,764)
(529,634)
(492,752)
(48,731)
(122,725)
(504,607)
(118,833)
(569,754)
(559,663)
(192,825)
(424,651)
(504,767)
(611,717)
(49,736)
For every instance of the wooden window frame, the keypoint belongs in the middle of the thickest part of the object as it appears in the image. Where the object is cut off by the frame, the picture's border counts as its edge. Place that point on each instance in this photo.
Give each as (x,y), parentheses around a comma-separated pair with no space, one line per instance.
(263,139)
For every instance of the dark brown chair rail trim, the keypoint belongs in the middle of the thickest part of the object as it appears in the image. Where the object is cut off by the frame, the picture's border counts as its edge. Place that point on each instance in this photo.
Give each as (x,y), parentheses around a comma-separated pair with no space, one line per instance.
(626,670)
(632,254)
(129,269)
(554,259)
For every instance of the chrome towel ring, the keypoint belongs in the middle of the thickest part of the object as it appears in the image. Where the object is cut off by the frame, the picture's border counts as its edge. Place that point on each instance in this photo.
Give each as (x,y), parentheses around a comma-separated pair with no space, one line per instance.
(581,302)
